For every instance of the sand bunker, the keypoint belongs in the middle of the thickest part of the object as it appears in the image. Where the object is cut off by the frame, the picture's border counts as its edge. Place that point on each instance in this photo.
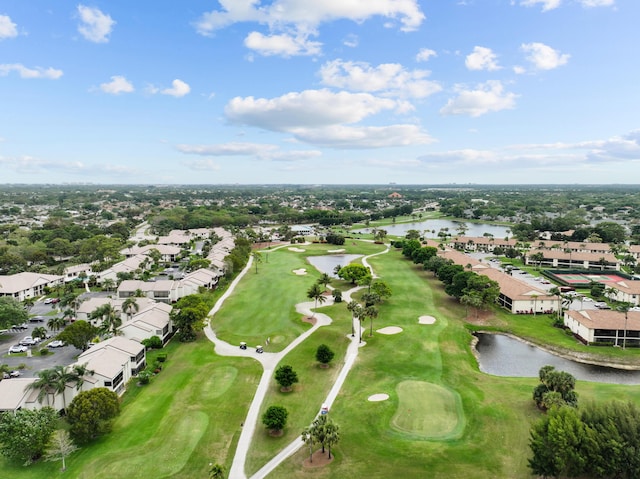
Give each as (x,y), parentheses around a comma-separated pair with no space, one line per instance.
(336,250)
(390,330)
(296,250)
(426,320)
(300,272)
(378,397)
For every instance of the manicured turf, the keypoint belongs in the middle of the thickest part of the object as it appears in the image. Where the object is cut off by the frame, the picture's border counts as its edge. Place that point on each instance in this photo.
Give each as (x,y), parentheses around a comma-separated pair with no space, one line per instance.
(188,416)
(428,411)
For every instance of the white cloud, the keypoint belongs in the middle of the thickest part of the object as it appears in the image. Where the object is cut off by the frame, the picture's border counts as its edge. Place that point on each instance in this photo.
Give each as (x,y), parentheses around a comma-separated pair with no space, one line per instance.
(390,78)
(543,57)
(95,26)
(178,89)
(24,72)
(7,27)
(309,108)
(117,85)
(596,3)
(487,97)
(519,70)
(424,54)
(30,165)
(546,4)
(351,41)
(228,149)
(284,45)
(347,137)
(202,165)
(482,58)
(467,155)
(306,16)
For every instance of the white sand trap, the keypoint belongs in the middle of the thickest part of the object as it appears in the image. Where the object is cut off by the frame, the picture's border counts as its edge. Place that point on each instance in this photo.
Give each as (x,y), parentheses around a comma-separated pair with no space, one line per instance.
(378,397)
(336,250)
(296,250)
(390,330)
(300,272)
(426,320)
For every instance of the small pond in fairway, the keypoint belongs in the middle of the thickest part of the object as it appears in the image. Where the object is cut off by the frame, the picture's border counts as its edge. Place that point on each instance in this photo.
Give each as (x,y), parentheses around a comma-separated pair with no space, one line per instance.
(501,355)
(327,263)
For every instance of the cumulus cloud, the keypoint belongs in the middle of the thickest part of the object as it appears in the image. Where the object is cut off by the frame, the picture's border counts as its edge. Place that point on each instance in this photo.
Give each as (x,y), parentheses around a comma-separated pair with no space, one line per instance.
(482,58)
(117,85)
(30,165)
(309,108)
(485,98)
(543,57)
(284,45)
(94,26)
(178,89)
(390,78)
(8,29)
(351,41)
(303,17)
(546,4)
(425,54)
(35,72)
(350,137)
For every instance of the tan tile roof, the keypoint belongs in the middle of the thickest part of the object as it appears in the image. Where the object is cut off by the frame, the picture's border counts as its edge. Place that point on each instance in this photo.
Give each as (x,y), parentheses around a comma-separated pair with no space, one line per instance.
(606,319)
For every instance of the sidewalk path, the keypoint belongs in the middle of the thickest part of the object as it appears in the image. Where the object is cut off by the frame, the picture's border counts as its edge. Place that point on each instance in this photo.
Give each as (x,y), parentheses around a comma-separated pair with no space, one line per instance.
(269,361)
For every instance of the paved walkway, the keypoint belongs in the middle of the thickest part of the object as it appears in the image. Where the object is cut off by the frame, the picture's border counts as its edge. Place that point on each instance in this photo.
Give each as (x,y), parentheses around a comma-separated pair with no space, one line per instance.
(269,361)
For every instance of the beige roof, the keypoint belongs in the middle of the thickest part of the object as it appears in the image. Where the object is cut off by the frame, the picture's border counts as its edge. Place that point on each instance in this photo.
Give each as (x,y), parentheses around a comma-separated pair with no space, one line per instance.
(575,256)
(606,319)
(155,317)
(13,392)
(107,362)
(627,286)
(122,344)
(22,281)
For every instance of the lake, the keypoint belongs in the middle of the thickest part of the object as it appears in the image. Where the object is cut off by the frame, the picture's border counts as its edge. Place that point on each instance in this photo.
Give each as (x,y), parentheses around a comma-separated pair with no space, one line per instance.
(327,263)
(472,229)
(501,355)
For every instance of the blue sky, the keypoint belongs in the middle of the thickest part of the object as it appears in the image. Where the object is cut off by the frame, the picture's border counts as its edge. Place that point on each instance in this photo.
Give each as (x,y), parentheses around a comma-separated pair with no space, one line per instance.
(331,91)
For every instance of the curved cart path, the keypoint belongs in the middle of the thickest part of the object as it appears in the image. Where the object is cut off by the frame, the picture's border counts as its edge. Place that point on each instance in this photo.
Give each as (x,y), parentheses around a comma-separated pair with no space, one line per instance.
(269,361)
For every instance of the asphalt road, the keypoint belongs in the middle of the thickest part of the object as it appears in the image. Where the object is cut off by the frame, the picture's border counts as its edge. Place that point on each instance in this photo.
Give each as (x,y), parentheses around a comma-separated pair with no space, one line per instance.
(33,361)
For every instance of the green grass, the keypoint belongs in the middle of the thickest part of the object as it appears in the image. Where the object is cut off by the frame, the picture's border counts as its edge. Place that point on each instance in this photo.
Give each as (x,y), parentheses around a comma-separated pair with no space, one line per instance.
(188,416)
(497,412)
(428,411)
(304,402)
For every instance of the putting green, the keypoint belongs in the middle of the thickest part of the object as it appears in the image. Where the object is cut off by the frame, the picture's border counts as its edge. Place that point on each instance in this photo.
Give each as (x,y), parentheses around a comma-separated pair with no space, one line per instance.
(428,411)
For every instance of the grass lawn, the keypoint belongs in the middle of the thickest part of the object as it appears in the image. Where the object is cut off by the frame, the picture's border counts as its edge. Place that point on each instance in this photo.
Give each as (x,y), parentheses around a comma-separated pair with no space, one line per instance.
(188,416)
(495,412)
(304,402)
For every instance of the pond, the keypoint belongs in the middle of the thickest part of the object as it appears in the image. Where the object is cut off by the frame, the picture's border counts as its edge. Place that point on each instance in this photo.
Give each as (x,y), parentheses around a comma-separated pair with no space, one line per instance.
(501,355)
(472,229)
(327,263)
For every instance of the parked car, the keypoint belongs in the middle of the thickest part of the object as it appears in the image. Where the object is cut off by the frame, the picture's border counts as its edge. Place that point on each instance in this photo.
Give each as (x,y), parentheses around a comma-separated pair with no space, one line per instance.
(48,301)
(18,348)
(37,319)
(56,344)
(28,341)
(21,326)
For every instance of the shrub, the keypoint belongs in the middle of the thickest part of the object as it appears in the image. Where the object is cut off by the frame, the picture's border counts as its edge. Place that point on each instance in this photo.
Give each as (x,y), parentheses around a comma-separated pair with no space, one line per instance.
(144,377)
(161,358)
(44,352)
(154,342)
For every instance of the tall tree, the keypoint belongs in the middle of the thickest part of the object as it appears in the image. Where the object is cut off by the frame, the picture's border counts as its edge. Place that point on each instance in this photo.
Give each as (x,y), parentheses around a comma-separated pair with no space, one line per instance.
(316,293)
(24,434)
(12,312)
(286,377)
(129,306)
(78,334)
(91,412)
(109,318)
(275,418)
(60,447)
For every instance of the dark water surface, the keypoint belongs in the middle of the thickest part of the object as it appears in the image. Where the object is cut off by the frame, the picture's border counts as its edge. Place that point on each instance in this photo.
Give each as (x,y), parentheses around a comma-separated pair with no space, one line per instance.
(504,356)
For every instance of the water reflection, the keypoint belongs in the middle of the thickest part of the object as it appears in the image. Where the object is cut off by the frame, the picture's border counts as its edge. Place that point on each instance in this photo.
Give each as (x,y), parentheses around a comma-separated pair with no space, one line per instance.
(431,228)
(504,356)
(327,263)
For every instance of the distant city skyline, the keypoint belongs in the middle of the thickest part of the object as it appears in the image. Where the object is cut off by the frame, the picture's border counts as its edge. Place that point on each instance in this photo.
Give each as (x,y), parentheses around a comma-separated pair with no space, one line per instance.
(299,92)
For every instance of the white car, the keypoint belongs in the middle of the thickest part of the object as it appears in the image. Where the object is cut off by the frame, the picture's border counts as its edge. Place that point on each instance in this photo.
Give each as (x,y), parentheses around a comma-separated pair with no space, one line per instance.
(18,348)
(56,344)
(28,341)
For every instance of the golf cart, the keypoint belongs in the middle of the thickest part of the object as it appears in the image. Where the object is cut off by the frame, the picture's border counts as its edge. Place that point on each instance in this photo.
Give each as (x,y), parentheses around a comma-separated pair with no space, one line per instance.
(243,345)
(259,349)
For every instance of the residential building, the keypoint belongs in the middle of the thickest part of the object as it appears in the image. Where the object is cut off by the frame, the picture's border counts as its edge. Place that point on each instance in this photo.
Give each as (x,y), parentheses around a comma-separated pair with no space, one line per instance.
(605,326)
(27,285)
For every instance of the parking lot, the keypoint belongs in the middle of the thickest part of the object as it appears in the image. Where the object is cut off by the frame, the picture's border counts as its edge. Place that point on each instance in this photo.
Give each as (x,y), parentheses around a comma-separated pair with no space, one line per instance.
(33,361)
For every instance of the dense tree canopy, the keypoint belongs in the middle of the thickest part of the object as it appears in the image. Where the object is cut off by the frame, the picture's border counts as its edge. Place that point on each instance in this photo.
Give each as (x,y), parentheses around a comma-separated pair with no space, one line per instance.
(78,334)
(91,412)
(12,312)
(25,434)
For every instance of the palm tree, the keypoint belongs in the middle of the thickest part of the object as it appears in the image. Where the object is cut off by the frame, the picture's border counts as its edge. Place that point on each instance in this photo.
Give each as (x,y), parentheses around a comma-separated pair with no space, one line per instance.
(108,284)
(45,385)
(324,280)
(316,293)
(356,311)
(370,312)
(39,332)
(332,435)
(111,321)
(257,259)
(71,300)
(129,305)
(28,303)
(309,440)
(56,323)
